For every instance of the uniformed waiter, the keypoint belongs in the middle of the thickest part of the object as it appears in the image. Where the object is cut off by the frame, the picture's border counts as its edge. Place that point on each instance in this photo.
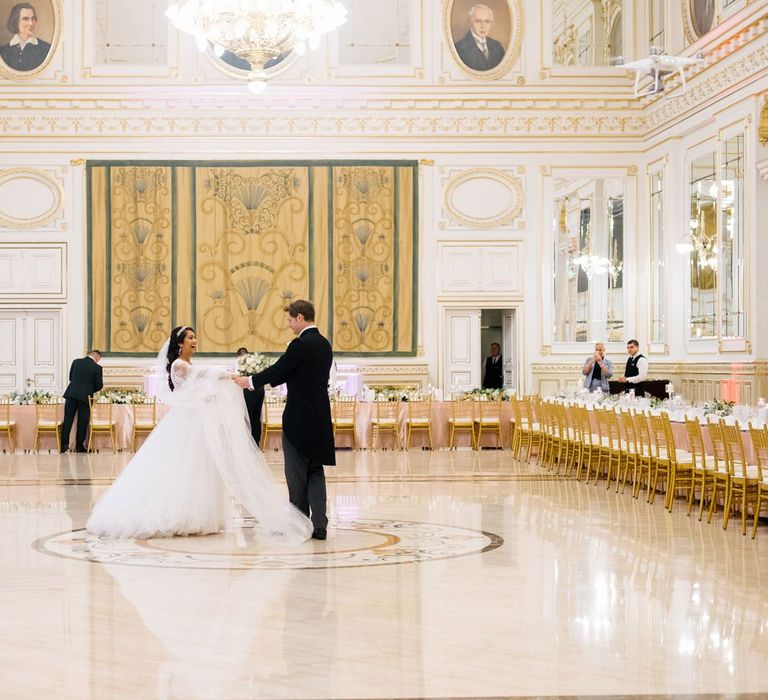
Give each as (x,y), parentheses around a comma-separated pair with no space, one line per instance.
(636,371)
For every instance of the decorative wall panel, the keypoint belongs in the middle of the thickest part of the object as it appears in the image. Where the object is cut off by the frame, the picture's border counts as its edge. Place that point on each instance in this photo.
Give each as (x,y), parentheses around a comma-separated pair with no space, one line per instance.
(32,271)
(482,268)
(225,246)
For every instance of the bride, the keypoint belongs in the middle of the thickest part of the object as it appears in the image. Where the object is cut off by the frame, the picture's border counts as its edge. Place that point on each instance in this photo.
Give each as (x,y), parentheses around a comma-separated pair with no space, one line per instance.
(200,454)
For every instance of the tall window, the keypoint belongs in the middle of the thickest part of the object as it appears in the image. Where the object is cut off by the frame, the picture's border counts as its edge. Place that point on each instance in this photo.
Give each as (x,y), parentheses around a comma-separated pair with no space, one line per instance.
(732,239)
(704,252)
(657,257)
(656,37)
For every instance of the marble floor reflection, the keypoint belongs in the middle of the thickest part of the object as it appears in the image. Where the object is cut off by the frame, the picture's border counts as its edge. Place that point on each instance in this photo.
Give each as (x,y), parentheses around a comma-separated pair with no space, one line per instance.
(473,576)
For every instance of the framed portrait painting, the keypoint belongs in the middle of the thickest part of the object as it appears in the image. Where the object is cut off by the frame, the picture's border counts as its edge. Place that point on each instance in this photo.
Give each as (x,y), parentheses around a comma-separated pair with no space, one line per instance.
(483,37)
(29,36)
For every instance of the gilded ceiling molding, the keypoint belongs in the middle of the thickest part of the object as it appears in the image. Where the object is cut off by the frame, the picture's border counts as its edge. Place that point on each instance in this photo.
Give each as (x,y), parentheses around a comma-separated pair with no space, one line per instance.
(716,81)
(97,125)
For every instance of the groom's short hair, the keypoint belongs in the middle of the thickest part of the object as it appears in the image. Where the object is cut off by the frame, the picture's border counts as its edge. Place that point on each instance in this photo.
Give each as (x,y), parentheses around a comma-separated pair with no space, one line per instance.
(303,307)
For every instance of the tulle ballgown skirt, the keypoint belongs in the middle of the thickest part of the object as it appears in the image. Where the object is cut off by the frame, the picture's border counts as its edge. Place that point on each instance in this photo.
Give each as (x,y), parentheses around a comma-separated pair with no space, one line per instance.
(170,487)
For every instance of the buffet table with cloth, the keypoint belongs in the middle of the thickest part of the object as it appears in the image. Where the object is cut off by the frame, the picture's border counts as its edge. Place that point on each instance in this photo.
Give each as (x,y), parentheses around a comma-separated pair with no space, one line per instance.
(122,415)
(365,412)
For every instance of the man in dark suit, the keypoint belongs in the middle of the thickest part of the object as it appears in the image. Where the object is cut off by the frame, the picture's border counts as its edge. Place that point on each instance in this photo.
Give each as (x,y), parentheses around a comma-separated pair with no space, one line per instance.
(25,51)
(493,378)
(85,379)
(476,49)
(254,400)
(307,427)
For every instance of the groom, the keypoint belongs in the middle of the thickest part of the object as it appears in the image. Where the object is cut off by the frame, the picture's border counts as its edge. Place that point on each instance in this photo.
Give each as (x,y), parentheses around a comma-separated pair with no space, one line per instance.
(307,428)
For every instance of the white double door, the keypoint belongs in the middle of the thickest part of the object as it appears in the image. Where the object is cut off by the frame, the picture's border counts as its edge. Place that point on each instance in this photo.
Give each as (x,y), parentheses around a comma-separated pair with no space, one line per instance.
(464,356)
(30,349)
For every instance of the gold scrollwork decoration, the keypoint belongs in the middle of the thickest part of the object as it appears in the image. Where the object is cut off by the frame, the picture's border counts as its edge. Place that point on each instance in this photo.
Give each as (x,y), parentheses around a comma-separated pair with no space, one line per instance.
(762,125)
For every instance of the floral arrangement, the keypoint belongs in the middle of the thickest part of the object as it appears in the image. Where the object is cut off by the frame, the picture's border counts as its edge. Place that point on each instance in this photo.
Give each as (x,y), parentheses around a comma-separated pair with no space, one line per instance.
(29,397)
(488,394)
(253,362)
(120,395)
(718,408)
(392,393)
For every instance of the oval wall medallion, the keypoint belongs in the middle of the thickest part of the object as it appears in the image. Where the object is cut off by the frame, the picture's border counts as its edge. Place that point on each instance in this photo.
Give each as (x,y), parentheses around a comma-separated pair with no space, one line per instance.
(28,198)
(484,198)
(501,23)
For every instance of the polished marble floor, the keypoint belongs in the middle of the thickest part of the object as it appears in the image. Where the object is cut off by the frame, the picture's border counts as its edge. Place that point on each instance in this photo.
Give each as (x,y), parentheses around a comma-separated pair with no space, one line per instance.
(446,574)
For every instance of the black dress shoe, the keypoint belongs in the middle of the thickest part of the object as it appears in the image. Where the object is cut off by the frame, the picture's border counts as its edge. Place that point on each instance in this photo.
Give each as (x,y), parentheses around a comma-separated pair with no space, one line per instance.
(81,449)
(319,534)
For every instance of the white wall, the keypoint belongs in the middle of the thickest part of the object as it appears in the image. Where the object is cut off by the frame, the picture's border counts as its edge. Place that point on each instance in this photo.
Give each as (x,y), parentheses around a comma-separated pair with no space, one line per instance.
(488,150)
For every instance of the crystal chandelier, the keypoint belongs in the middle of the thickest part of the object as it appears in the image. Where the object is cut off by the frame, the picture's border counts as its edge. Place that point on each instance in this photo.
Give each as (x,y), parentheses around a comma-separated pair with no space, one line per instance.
(698,239)
(588,261)
(257,31)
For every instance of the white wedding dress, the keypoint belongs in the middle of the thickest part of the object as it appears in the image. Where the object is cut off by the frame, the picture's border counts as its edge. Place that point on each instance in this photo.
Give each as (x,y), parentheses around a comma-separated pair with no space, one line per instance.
(199,455)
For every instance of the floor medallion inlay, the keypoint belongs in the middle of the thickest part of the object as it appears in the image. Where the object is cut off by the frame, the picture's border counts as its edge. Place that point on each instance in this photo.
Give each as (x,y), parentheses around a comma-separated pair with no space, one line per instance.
(353,543)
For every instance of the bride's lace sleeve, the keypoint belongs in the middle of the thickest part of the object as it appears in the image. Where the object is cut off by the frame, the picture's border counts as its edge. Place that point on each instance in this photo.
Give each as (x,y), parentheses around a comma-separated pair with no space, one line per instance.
(180,372)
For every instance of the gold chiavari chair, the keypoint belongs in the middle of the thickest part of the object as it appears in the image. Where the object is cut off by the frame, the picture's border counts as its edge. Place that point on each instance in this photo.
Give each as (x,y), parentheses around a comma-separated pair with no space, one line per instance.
(671,464)
(7,425)
(462,417)
(47,420)
(566,437)
(574,434)
(631,450)
(344,408)
(745,477)
(760,446)
(617,447)
(419,418)
(602,444)
(590,442)
(644,453)
(721,475)
(702,465)
(547,428)
(526,434)
(386,421)
(488,419)
(101,422)
(144,413)
(273,417)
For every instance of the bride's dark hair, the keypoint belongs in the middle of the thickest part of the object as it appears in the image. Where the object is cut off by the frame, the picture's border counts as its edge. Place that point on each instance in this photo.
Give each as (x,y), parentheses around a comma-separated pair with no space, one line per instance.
(175,342)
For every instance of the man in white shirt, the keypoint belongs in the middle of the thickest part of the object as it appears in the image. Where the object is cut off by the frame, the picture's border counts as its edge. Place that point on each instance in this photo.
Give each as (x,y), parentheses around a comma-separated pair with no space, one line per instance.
(476,49)
(25,51)
(636,370)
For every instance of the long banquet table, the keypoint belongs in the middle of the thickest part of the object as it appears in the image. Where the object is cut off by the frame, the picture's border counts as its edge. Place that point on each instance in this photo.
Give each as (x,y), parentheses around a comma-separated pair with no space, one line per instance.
(24,416)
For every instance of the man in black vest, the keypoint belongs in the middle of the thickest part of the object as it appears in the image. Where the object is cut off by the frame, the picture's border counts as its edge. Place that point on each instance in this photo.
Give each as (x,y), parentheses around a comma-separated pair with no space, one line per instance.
(85,379)
(307,428)
(494,369)
(636,371)
(254,400)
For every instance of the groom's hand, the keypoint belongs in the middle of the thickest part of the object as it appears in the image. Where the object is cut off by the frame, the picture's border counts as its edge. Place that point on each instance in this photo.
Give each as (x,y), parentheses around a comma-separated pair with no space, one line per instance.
(243,382)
